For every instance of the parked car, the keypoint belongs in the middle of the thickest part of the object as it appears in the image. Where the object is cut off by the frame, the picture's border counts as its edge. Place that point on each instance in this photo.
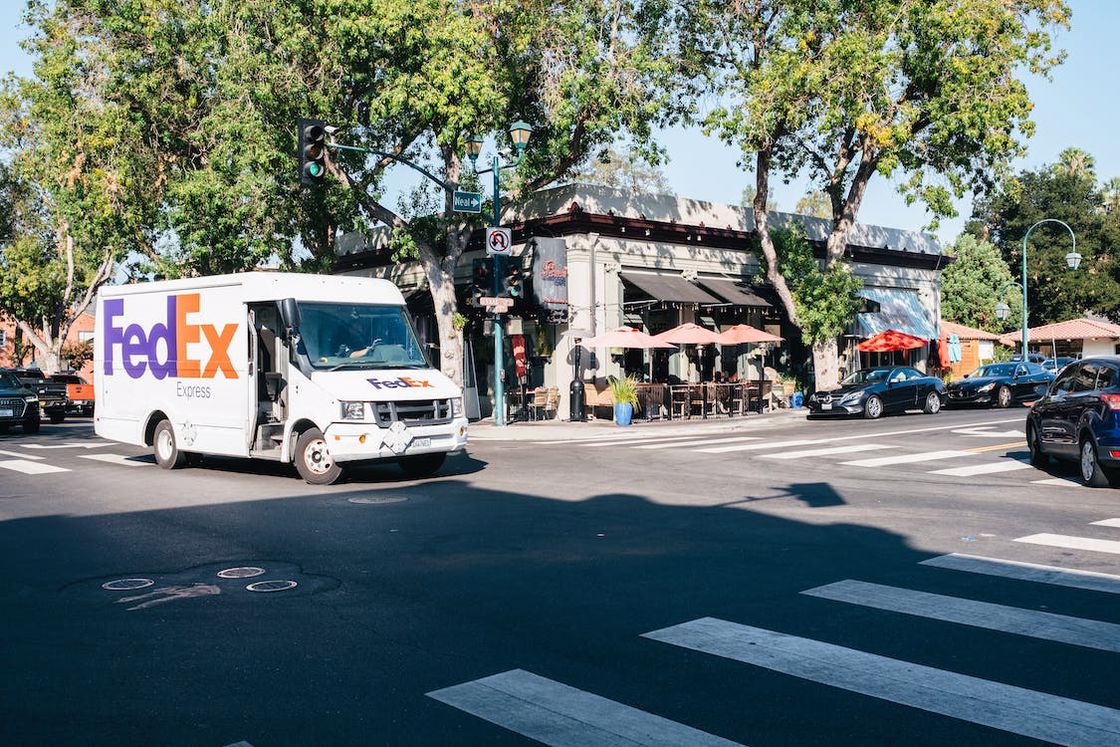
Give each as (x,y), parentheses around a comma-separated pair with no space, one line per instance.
(1054,365)
(79,394)
(19,405)
(1001,384)
(1079,419)
(1031,358)
(875,391)
(52,394)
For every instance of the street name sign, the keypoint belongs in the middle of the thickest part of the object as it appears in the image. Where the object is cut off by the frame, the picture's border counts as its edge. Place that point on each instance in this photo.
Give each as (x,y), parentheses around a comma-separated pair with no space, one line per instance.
(499,241)
(498,304)
(466,202)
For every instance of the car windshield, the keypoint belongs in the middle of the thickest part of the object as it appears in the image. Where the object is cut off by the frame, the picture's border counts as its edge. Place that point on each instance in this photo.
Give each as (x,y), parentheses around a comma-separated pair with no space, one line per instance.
(9,381)
(871,376)
(996,369)
(341,336)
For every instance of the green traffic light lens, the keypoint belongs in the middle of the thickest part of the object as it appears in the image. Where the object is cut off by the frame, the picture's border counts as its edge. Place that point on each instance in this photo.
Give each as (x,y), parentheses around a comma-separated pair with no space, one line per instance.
(315,169)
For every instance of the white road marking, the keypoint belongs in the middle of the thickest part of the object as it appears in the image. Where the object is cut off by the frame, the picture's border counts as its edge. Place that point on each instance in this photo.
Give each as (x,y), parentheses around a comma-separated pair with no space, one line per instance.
(1014,709)
(117,459)
(761,446)
(1048,626)
(983,432)
(826,451)
(1072,543)
(18,455)
(556,714)
(1066,482)
(30,468)
(1107,523)
(637,440)
(990,468)
(71,445)
(922,456)
(1043,574)
(616,435)
(701,442)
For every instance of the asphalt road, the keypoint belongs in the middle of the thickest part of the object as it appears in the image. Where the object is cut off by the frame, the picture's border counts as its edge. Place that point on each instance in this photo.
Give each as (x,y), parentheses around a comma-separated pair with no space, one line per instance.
(637,586)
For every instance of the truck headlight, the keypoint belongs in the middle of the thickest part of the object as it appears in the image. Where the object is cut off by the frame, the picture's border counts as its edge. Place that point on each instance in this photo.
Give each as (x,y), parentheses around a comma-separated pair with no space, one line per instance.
(31,399)
(352,410)
(456,407)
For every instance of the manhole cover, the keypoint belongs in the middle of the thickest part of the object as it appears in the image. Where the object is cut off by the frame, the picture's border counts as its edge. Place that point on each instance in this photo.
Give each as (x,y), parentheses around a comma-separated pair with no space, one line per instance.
(246,571)
(127,584)
(272,586)
(379,499)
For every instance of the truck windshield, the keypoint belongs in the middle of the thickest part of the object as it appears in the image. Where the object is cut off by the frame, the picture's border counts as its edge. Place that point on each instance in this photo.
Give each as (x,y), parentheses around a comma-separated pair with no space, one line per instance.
(359,336)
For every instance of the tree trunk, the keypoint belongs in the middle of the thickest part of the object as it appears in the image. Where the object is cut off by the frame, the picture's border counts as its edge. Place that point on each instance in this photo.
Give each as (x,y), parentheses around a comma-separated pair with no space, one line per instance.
(762,228)
(48,349)
(826,364)
(441,284)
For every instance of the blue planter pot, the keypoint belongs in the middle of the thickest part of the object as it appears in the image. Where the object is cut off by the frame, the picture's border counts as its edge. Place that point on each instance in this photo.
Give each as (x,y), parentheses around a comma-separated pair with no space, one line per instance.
(623,412)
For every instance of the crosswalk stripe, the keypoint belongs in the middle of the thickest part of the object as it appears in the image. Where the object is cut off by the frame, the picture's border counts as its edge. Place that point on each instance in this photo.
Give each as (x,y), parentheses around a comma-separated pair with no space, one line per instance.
(1072,543)
(826,451)
(18,455)
(637,440)
(71,445)
(1014,709)
(701,442)
(982,469)
(1015,569)
(1048,626)
(614,435)
(556,714)
(1107,523)
(1060,481)
(759,447)
(120,459)
(922,456)
(28,467)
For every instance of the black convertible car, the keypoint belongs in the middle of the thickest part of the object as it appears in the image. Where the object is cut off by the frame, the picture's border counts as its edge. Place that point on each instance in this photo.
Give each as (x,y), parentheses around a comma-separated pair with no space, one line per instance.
(874,391)
(1000,384)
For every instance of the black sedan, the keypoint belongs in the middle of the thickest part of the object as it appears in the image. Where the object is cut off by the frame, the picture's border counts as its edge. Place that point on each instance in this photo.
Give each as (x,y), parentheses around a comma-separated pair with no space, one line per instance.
(18,404)
(875,391)
(1001,384)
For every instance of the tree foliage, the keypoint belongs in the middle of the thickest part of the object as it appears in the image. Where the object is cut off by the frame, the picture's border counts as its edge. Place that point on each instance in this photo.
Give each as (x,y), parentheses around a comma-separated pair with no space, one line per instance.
(626,170)
(977,281)
(825,299)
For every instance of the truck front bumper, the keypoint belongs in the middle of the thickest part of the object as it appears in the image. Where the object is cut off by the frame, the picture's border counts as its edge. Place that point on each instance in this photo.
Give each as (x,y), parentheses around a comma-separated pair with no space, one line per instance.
(354,442)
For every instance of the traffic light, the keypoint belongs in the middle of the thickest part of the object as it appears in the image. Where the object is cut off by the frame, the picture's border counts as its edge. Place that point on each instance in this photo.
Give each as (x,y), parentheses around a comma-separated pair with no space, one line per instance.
(512,283)
(312,150)
(482,281)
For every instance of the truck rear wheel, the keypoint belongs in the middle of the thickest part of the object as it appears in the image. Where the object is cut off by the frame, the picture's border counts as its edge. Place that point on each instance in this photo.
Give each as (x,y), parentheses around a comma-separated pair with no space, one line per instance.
(422,465)
(165,448)
(313,460)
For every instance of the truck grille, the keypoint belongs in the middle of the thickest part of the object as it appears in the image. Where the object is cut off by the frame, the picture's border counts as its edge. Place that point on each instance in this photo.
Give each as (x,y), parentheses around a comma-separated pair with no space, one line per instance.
(15,405)
(413,412)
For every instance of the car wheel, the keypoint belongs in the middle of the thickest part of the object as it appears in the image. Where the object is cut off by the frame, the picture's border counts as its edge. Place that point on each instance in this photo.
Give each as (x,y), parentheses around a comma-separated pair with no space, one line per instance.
(1091,471)
(1034,443)
(421,465)
(31,426)
(1003,398)
(873,407)
(165,448)
(933,403)
(313,459)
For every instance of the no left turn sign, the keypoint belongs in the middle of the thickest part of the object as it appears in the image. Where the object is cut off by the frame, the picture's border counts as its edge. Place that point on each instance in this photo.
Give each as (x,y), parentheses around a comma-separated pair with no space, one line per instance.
(499,241)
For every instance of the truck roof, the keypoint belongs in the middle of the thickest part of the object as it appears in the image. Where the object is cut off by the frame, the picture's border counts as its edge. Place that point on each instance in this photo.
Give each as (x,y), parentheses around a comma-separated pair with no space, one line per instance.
(271,286)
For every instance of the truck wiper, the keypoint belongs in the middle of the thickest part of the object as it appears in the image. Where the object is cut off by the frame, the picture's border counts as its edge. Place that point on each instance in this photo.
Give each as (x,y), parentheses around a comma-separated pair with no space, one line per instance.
(348,364)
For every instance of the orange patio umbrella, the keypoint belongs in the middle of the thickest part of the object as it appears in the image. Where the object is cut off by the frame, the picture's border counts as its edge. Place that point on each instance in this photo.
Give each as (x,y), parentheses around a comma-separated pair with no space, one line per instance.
(689,334)
(745,333)
(625,337)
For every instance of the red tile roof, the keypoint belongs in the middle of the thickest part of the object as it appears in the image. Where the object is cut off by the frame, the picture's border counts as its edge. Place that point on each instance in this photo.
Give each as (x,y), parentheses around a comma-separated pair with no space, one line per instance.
(1072,329)
(965,333)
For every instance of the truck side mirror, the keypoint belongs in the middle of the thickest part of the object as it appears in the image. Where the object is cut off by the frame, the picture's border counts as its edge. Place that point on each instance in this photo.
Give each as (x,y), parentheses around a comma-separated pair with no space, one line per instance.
(289,314)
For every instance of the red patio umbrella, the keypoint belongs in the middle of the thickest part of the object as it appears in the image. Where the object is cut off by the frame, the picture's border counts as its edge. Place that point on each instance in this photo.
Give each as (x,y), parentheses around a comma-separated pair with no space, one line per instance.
(890,340)
(744,333)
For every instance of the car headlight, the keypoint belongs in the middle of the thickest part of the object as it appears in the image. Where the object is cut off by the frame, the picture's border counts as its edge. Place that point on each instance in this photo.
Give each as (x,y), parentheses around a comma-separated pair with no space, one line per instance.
(31,399)
(352,410)
(456,407)
(987,387)
(852,397)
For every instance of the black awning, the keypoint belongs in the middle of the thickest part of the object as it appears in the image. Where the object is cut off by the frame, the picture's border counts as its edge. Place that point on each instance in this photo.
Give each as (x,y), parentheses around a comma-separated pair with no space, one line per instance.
(672,288)
(733,292)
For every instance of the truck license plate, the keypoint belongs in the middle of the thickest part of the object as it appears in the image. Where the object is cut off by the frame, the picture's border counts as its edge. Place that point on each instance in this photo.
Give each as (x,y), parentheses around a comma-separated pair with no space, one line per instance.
(826,405)
(420,443)
(7,413)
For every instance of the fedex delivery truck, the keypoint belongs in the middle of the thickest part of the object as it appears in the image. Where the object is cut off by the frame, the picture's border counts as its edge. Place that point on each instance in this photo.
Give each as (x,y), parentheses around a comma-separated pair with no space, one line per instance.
(317,370)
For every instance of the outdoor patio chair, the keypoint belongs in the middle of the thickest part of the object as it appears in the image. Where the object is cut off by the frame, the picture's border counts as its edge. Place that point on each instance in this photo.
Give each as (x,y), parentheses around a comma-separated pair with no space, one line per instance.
(679,400)
(551,401)
(537,405)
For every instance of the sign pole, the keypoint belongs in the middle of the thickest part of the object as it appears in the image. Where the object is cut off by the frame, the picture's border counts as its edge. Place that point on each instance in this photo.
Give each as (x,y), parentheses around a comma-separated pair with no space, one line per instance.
(499,276)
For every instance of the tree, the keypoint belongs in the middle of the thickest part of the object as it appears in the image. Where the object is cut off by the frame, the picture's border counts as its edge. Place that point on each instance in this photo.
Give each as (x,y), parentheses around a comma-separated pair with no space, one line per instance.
(825,300)
(747,199)
(626,170)
(816,204)
(1055,293)
(1076,163)
(844,91)
(977,281)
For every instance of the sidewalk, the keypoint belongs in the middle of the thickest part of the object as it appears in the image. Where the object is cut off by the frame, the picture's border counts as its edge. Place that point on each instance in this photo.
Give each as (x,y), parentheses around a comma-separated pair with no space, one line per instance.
(558,430)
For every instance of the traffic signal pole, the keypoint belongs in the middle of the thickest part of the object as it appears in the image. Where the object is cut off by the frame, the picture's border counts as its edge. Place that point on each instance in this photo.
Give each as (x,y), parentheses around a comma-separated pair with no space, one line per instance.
(499,332)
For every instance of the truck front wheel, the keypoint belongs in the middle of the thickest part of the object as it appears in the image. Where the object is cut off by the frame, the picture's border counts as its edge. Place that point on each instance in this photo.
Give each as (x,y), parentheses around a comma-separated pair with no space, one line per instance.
(313,460)
(422,465)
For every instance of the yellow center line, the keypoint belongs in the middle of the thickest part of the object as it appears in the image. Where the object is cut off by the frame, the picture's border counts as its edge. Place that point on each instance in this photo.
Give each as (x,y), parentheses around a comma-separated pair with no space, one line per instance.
(997,447)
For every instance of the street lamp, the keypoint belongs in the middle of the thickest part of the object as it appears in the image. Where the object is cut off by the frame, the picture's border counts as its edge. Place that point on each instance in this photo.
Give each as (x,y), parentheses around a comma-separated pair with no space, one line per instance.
(1002,311)
(519,133)
(1073,261)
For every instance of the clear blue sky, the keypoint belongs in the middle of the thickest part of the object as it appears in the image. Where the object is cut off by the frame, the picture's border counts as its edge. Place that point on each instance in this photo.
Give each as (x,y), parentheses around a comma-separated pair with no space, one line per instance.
(1079,107)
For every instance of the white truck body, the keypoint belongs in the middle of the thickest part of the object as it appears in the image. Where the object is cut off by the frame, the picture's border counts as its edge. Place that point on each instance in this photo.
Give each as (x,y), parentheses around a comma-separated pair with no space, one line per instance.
(219,358)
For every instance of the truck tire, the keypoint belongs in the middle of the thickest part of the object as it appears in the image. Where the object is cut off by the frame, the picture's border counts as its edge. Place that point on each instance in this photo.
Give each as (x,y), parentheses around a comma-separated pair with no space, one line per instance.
(422,465)
(165,448)
(313,459)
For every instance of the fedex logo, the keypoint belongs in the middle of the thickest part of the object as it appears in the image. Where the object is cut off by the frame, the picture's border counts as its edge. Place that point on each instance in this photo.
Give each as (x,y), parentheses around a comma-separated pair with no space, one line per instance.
(140,349)
(402,382)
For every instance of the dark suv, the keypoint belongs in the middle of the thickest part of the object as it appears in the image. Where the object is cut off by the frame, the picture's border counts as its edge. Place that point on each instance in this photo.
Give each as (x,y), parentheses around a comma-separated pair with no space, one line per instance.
(18,404)
(1079,419)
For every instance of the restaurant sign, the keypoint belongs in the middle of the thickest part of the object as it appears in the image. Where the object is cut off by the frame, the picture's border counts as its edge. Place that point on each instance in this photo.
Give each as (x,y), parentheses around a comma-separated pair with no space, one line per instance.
(550,272)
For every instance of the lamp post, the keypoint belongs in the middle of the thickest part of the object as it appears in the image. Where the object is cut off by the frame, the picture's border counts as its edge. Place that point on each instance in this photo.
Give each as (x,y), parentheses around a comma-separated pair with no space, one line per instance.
(1073,261)
(519,133)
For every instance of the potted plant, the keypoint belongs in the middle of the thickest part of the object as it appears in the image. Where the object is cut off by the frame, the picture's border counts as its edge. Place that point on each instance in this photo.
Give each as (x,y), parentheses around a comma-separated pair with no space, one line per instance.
(624,391)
